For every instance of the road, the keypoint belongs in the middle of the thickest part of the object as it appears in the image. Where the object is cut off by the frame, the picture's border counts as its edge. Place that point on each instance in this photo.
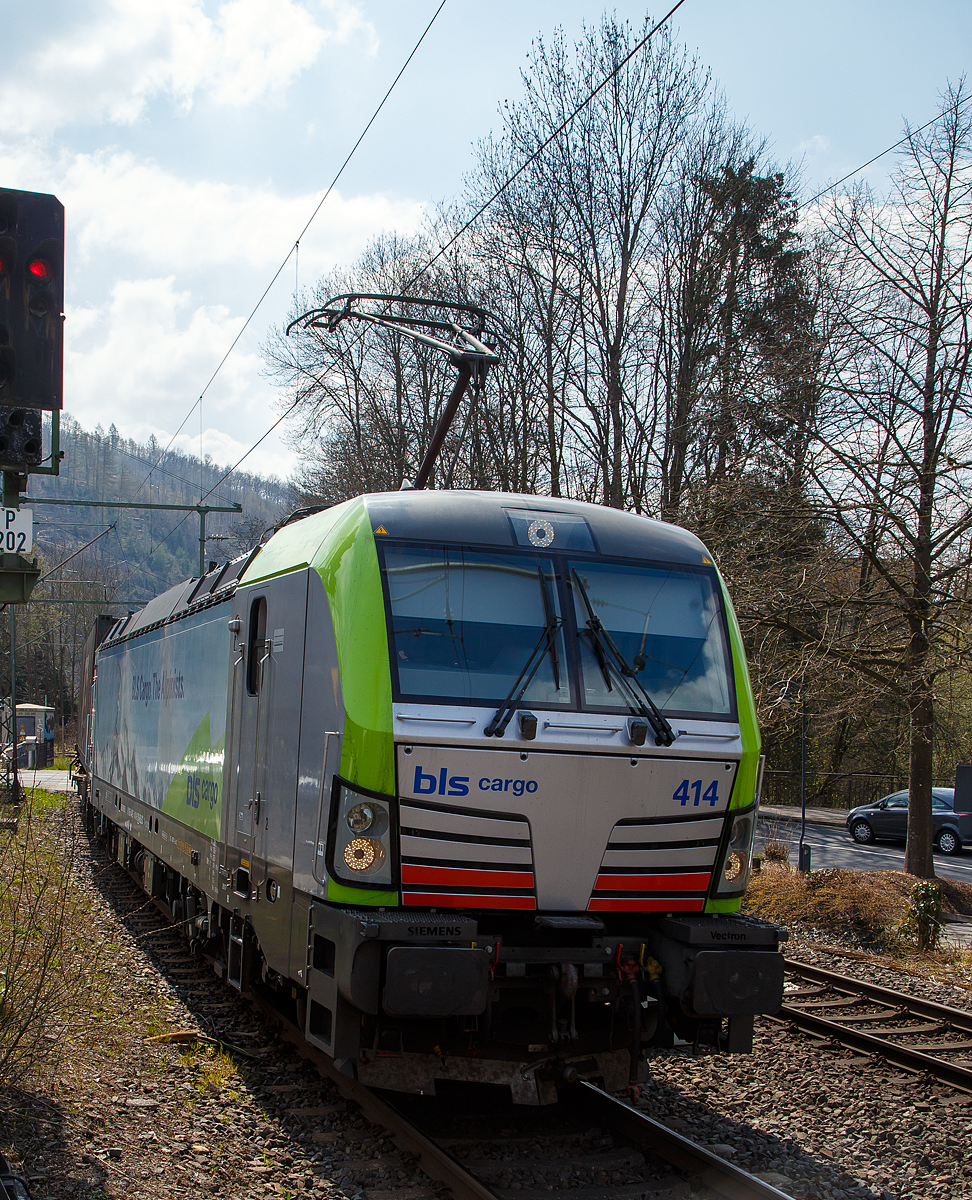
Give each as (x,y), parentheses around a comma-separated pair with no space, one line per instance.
(832,847)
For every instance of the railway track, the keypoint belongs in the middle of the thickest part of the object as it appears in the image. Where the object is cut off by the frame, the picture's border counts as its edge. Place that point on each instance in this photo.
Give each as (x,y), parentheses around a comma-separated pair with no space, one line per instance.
(606,1148)
(650,1158)
(917,1035)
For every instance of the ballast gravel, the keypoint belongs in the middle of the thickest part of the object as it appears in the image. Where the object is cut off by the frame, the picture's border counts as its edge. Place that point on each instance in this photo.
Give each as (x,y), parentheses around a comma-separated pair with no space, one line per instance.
(127,1116)
(820,1121)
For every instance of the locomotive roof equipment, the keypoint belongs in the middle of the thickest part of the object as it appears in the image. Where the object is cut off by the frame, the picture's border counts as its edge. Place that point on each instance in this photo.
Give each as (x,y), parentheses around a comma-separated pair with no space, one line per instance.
(465,349)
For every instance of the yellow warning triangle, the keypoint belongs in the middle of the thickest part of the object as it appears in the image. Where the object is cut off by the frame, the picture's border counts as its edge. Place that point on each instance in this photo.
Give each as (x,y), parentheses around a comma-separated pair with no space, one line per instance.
(381,529)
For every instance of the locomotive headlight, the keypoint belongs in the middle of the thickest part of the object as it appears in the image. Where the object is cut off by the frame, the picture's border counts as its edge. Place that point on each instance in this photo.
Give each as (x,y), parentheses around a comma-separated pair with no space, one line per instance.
(363,854)
(360,818)
(360,845)
(738,856)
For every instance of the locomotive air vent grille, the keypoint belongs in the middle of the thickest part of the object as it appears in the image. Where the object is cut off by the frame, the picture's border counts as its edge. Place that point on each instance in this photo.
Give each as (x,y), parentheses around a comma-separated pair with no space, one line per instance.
(657,866)
(455,858)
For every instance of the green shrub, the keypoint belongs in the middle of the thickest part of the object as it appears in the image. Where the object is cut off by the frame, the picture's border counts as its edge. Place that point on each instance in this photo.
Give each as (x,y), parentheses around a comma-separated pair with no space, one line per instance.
(922,923)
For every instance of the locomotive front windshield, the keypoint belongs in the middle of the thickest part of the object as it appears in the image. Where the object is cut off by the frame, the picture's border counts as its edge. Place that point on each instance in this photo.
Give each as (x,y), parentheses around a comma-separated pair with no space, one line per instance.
(464,624)
(667,625)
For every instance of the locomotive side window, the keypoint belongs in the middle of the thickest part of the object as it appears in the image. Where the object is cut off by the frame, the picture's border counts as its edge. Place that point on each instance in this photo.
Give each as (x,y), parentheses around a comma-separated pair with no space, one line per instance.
(256,644)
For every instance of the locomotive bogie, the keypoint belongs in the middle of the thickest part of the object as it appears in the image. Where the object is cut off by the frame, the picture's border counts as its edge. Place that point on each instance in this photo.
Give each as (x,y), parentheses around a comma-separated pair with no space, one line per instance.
(465,784)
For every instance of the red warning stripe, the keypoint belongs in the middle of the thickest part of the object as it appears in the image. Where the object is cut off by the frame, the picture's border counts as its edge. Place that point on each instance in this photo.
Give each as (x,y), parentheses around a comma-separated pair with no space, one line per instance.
(645,904)
(465,877)
(653,883)
(471,900)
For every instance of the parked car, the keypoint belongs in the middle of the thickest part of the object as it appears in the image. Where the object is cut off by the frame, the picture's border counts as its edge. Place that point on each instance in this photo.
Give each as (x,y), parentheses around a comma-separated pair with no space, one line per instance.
(887,820)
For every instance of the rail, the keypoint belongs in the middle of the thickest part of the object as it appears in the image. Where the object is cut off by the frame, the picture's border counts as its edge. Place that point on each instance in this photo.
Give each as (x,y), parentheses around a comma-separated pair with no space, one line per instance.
(700,1166)
(697,1164)
(849,1003)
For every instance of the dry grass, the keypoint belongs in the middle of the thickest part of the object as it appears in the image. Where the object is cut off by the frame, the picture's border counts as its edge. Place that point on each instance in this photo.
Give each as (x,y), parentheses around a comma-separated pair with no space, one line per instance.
(777,841)
(868,904)
(833,900)
(45,919)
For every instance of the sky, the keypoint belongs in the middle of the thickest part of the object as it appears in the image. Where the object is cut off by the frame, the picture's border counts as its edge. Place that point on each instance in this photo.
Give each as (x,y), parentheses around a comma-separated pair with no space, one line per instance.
(190,141)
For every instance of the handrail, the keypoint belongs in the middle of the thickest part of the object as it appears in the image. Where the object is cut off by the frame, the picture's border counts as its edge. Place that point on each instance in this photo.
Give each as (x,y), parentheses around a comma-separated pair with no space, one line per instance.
(325,776)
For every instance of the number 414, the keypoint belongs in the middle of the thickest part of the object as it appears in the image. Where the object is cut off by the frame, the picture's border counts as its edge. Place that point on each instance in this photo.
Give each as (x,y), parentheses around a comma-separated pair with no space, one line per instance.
(681,793)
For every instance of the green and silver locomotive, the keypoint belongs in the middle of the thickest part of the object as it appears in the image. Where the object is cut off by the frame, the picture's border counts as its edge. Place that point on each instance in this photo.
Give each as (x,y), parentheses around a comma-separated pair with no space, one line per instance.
(465,782)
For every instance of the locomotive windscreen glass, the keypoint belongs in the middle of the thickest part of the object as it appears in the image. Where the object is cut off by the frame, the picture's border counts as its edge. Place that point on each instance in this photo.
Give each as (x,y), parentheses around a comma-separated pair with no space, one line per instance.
(667,624)
(464,623)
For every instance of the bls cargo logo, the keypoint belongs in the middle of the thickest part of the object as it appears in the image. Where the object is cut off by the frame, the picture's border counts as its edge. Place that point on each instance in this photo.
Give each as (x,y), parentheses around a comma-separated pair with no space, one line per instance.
(198,788)
(458,785)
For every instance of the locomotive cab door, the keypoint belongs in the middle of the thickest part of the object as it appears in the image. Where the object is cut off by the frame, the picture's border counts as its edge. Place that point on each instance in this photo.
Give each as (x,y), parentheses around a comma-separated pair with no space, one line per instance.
(251,687)
(267,700)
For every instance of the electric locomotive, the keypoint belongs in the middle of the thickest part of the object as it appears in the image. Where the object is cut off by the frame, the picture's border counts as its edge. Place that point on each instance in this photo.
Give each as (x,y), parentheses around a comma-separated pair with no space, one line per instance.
(464,782)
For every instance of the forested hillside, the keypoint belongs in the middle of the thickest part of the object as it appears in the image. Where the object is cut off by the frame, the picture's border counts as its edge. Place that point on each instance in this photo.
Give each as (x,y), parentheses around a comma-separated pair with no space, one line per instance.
(104,466)
(141,552)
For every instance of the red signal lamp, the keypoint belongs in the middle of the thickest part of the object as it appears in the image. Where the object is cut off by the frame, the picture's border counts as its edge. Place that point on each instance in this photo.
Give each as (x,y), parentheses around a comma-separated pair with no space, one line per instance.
(39,268)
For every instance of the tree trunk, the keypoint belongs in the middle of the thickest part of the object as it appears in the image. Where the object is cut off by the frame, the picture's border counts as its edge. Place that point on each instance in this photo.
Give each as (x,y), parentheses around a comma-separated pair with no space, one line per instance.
(918,854)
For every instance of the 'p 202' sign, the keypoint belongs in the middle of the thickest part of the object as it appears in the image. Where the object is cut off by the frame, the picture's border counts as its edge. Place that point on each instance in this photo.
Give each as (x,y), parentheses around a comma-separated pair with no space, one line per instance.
(17,531)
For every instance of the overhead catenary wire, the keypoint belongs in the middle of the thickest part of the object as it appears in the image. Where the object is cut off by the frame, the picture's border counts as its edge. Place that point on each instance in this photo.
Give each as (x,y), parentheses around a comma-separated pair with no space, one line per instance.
(154,468)
(616,70)
(639,45)
(486,205)
(294,248)
(889,150)
(81,550)
(178,525)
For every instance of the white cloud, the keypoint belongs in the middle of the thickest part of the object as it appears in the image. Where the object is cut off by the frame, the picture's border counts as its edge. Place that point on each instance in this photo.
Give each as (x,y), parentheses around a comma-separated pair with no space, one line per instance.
(817,144)
(126,205)
(121,55)
(141,360)
(224,449)
(162,267)
(120,205)
(180,263)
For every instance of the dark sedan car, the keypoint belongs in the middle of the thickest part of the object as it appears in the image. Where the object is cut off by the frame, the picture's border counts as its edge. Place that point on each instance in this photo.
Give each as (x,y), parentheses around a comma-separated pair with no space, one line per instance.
(887,819)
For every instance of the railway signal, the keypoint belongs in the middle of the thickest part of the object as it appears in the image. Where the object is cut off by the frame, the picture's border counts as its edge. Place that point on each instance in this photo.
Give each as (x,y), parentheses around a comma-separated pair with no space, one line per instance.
(21,444)
(31,355)
(31,300)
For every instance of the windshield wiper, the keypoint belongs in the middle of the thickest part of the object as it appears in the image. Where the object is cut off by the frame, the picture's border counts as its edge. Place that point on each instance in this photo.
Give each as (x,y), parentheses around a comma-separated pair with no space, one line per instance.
(547,644)
(552,624)
(610,659)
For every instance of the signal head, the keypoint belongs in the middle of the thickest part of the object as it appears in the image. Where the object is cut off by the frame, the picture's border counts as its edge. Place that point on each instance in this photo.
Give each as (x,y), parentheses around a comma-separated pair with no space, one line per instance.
(31,302)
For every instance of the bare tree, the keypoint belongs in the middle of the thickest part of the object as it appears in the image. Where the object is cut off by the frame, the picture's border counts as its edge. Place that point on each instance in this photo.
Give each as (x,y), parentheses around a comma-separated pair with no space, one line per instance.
(892,461)
(585,218)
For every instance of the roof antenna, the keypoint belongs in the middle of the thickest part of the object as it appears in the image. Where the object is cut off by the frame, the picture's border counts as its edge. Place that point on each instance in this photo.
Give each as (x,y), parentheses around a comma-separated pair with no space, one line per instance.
(465,349)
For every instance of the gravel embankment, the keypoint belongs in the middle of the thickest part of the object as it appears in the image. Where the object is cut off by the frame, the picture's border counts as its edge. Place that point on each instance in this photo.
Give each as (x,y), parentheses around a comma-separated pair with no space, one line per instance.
(130,1117)
(871,969)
